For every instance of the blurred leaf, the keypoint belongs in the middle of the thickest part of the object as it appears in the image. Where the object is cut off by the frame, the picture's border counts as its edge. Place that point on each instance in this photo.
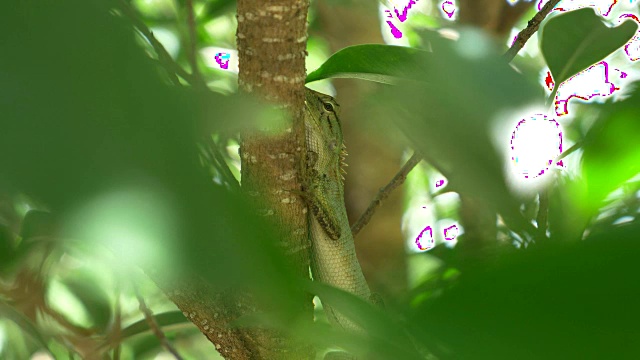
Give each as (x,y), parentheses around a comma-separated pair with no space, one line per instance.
(89,124)
(384,339)
(611,153)
(567,218)
(559,302)
(215,8)
(8,312)
(384,332)
(93,297)
(449,118)
(37,223)
(163,319)
(37,233)
(573,41)
(380,63)
(7,248)
(166,319)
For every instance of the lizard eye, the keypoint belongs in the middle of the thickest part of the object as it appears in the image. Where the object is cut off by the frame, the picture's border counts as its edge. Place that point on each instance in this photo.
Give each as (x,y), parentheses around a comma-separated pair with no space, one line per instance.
(328,107)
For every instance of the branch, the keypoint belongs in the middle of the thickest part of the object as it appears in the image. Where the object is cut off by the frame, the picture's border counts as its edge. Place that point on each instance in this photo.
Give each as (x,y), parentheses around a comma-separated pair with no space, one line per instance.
(153,324)
(117,324)
(193,46)
(569,151)
(532,27)
(397,180)
(217,159)
(543,211)
(169,64)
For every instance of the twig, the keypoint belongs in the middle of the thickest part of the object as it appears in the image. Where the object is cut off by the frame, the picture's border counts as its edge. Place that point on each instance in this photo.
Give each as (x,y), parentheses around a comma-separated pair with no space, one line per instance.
(222,166)
(543,211)
(170,65)
(68,325)
(569,151)
(397,180)
(117,326)
(532,27)
(193,44)
(174,69)
(153,324)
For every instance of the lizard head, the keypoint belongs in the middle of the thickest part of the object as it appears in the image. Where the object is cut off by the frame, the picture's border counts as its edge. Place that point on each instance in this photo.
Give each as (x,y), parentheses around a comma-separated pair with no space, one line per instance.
(326,111)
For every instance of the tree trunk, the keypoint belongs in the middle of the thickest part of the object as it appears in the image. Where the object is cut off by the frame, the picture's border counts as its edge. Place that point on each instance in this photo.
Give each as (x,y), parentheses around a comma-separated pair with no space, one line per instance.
(271,41)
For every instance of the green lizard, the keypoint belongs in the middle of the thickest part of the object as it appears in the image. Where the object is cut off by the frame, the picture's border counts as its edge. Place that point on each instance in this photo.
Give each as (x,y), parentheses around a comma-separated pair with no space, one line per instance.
(334,260)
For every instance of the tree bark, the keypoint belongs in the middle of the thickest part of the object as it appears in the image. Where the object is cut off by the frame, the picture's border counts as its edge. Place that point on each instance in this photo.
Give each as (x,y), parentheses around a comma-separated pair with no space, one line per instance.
(271,39)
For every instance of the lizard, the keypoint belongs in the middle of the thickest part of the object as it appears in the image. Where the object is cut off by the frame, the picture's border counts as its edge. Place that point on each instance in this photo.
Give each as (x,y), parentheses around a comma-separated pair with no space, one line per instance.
(333,259)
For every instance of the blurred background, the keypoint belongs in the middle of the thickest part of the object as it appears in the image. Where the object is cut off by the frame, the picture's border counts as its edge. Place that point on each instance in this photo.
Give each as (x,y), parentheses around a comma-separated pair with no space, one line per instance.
(113,152)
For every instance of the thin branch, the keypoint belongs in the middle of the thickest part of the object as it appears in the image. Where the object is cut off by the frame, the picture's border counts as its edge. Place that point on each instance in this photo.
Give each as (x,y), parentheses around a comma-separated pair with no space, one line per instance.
(193,46)
(543,212)
(170,65)
(569,151)
(153,324)
(397,180)
(532,27)
(117,326)
(174,69)
(77,330)
(217,158)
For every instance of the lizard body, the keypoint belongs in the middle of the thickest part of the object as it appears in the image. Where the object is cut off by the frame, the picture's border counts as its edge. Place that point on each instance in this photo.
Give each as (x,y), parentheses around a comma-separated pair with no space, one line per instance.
(334,260)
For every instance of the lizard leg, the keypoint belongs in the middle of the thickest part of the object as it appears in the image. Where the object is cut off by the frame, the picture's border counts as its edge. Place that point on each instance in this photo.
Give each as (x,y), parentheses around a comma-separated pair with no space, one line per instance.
(321,206)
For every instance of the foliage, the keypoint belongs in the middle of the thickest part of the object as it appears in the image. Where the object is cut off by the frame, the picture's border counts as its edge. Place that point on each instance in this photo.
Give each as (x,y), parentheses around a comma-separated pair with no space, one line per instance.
(101,167)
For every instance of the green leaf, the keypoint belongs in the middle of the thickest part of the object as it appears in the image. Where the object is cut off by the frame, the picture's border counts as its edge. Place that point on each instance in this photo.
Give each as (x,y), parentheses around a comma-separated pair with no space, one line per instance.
(379,63)
(611,153)
(108,145)
(385,337)
(163,319)
(8,312)
(216,8)
(573,41)
(92,296)
(447,113)
(546,302)
(7,247)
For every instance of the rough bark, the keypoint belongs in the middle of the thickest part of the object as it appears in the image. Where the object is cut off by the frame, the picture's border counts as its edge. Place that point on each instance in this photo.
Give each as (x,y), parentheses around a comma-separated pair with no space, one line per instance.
(271,39)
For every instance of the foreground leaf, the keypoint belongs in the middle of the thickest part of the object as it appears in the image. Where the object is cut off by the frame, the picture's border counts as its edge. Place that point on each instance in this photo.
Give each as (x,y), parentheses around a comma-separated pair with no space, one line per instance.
(573,41)
(379,63)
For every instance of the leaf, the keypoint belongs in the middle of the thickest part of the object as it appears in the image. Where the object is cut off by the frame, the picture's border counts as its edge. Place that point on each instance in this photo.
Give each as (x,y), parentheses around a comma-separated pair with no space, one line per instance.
(111,148)
(163,319)
(446,111)
(542,303)
(573,41)
(611,153)
(216,8)
(379,63)
(7,248)
(92,296)
(8,312)
(384,337)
